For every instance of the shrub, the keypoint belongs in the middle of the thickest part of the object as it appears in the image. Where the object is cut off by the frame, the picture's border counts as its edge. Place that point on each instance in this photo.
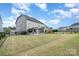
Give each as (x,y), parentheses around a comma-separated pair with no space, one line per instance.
(55,30)
(2,35)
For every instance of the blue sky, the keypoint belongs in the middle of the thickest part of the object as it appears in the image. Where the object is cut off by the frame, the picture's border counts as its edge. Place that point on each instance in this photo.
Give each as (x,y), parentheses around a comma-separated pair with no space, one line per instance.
(52,14)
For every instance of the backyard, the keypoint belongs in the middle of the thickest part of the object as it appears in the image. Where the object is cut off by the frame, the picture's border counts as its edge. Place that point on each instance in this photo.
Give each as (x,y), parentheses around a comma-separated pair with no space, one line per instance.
(41,45)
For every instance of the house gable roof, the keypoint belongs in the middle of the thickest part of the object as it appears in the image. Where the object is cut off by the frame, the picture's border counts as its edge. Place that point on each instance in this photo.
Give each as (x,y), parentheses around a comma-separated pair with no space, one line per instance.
(75,24)
(30,18)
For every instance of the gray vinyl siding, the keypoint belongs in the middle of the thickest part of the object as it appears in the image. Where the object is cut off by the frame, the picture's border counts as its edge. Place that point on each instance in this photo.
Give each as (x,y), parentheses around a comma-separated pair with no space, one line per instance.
(21,24)
(31,24)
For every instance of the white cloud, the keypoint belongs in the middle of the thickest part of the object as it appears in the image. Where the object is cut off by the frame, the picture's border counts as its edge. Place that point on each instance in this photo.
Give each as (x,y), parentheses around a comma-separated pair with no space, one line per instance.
(15,12)
(58,11)
(77,17)
(74,10)
(23,6)
(54,21)
(50,22)
(42,6)
(20,8)
(10,21)
(70,5)
(62,13)
(42,20)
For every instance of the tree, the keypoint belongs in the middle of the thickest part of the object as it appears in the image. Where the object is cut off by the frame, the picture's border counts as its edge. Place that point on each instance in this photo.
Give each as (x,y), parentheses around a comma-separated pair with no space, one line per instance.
(7,30)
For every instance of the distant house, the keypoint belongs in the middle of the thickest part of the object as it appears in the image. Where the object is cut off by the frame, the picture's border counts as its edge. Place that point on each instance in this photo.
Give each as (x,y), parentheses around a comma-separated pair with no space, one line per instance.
(1,29)
(62,29)
(72,28)
(27,24)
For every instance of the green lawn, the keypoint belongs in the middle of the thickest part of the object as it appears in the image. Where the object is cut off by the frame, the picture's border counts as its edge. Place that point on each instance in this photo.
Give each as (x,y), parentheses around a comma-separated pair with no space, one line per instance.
(43,44)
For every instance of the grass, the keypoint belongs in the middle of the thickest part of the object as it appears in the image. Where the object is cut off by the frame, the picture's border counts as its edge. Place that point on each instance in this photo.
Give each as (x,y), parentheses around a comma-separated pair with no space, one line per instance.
(43,44)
